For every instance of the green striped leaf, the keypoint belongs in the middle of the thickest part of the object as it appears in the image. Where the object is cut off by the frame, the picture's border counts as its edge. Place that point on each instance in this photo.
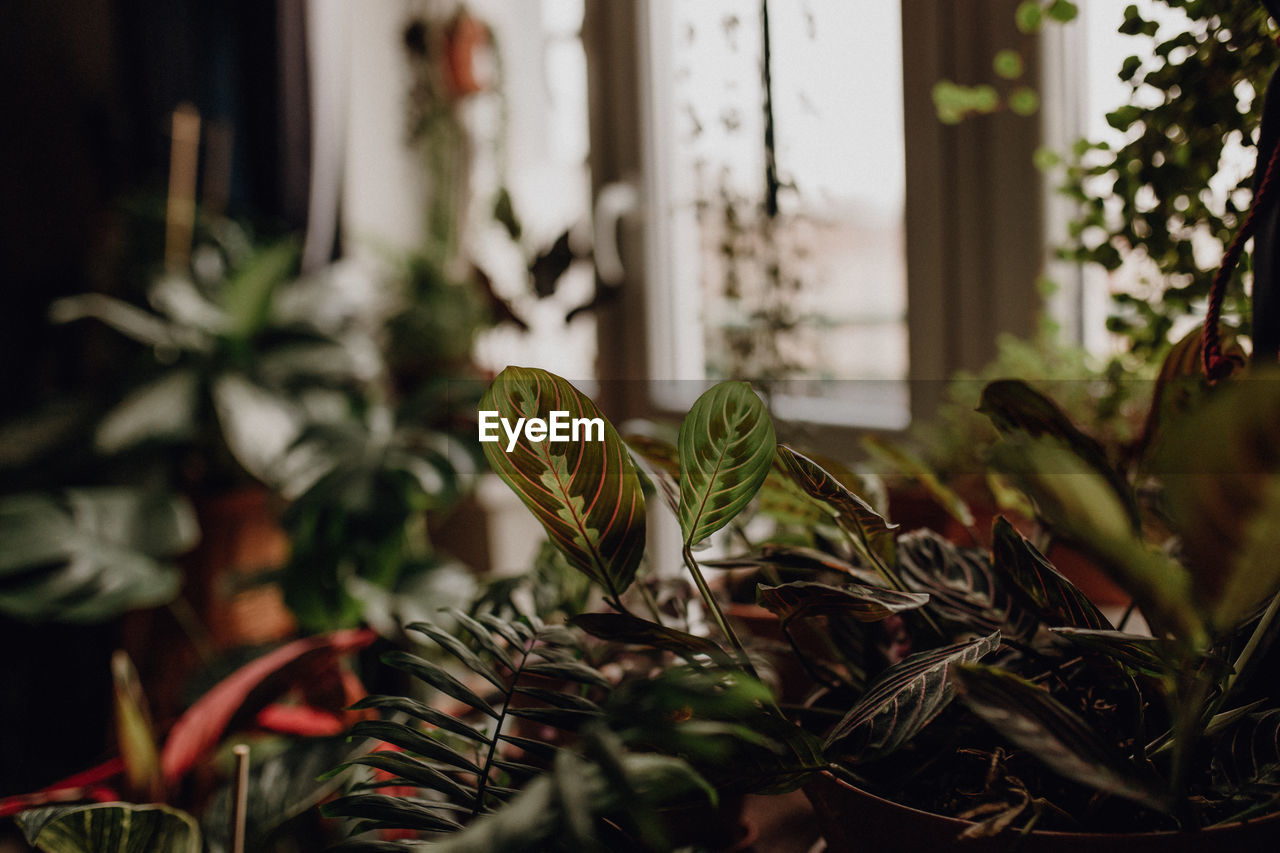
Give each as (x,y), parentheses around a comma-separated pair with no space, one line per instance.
(904,699)
(868,527)
(110,828)
(1054,598)
(726,446)
(859,601)
(585,493)
(1033,720)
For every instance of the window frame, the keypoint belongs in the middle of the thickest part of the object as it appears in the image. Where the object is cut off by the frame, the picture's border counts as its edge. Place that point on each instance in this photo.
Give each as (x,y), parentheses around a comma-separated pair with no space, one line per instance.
(975,222)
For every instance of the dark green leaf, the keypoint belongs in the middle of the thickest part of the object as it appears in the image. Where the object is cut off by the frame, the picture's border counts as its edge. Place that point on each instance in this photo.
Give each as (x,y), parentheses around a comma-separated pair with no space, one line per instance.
(423,712)
(1015,407)
(437,677)
(864,603)
(385,812)
(559,699)
(726,448)
(1221,470)
(632,630)
(417,773)
(413,740)
(1138,653)
(585,493)
(1249,753)
(854,514)
(484,637)
(1082,507)
(1053,598)
(1033,720)
(962,585)
(110,828)
(569,671)
(904,699)
(459,650)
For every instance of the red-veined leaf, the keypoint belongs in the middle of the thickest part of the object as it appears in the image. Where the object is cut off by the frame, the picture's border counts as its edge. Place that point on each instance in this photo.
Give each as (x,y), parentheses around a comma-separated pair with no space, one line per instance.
(586,493)
(904,699)
(855,515)
(1054,598)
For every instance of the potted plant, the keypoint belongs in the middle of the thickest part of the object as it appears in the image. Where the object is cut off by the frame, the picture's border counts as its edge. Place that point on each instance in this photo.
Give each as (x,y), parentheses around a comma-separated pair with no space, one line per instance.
(1070,730)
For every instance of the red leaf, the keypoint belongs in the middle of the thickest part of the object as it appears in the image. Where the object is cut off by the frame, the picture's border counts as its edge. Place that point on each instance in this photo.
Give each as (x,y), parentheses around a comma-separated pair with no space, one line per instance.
(82,786)
(301,720)
(237,698)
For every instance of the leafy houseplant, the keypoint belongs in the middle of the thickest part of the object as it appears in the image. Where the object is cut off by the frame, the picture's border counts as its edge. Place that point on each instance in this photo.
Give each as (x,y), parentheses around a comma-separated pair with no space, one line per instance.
(1067,721)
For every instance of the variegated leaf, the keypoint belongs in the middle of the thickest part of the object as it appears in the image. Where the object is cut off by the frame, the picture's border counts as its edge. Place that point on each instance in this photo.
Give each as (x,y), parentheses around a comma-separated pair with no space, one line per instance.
(111,828)
(1054,598)
(1250,752)
(726,447)
(585,493)
(963,587)
(904,699)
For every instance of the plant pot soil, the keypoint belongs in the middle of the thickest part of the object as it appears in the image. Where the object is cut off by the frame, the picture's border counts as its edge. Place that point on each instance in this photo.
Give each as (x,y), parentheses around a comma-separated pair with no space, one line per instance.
(853,820)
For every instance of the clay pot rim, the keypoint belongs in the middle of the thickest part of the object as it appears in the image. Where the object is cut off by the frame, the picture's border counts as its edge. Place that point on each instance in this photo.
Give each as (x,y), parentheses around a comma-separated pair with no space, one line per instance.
(1083,837)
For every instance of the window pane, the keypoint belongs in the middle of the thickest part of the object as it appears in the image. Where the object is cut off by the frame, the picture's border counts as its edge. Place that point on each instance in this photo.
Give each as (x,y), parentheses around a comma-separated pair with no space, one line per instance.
(815,295)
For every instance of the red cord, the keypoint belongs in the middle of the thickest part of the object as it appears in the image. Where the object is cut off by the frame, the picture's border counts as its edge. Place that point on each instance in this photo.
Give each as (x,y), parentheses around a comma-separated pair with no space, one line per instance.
(1216,365)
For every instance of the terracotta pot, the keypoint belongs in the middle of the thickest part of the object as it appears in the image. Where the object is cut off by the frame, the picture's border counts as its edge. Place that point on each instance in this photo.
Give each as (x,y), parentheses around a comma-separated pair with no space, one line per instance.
(854,820)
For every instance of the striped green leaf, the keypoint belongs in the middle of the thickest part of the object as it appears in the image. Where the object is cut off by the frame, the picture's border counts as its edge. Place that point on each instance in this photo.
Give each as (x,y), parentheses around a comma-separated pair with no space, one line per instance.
(110,828)
(1054,598)
(585,493)
(1033,720)
(905,699)
(855,515)
(726,446)
(859,601)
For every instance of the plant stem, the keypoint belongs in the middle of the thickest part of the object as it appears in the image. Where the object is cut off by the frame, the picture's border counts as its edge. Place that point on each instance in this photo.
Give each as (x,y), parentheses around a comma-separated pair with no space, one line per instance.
(1251,647)
(650,602)
(721,622)
(240,798)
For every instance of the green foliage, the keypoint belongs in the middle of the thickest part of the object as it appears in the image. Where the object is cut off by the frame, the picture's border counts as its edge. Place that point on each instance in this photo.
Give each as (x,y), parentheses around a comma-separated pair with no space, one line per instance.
(111,828)
(726,448)
(1150,197)
(87,555)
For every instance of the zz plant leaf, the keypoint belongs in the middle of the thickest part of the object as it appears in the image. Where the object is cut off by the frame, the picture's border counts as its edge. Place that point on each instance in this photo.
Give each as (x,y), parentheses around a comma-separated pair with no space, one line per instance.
(586,493)
(905,699)
(726,446)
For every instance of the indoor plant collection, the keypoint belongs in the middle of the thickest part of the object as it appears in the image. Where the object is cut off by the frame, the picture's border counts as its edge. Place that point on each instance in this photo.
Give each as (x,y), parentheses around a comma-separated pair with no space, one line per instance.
(1065,722)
